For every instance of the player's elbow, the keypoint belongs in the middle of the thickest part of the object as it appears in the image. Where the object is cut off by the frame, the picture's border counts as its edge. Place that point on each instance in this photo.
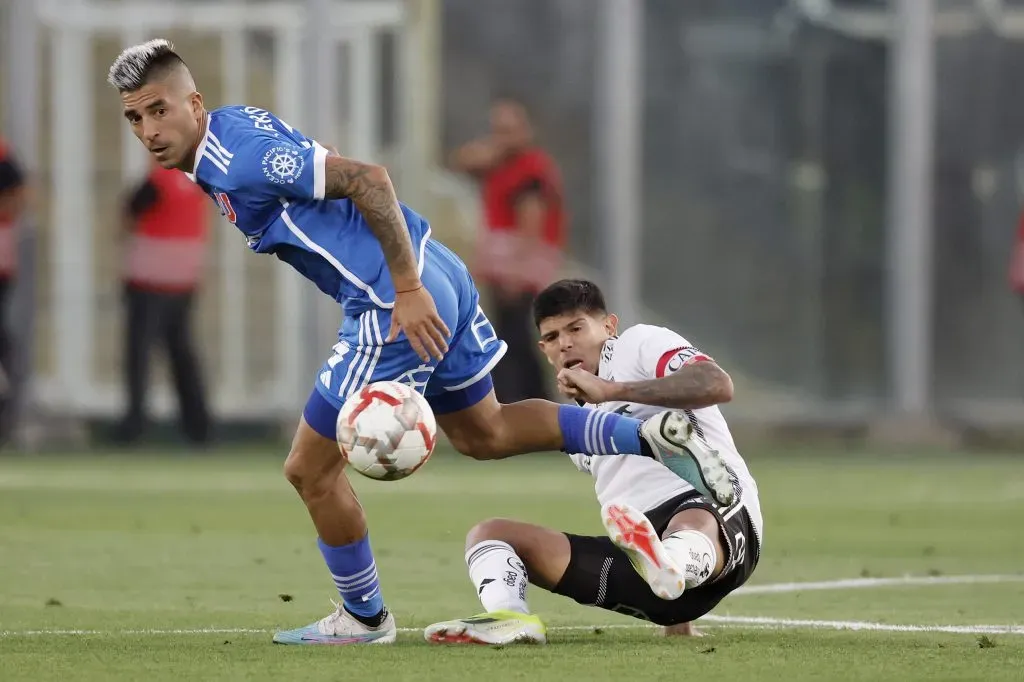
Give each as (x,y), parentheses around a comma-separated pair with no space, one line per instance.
(723,387)
(356,180)
(375,175)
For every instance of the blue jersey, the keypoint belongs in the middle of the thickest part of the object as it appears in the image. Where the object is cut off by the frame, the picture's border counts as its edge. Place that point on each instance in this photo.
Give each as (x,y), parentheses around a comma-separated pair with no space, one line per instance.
(268,179)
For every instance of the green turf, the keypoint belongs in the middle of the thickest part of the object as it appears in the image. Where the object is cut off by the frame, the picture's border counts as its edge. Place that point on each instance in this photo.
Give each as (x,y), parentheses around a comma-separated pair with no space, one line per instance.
(118,546)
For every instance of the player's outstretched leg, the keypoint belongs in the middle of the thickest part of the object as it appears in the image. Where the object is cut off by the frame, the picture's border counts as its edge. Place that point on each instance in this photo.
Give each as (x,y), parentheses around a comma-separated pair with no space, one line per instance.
(499,574)
(671,440)
(688,555)
(315,468)
(489,430)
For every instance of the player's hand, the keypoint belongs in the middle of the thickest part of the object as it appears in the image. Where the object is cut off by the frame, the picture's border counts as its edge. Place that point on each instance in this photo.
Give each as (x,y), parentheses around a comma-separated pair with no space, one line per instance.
(580,384)
(416,315)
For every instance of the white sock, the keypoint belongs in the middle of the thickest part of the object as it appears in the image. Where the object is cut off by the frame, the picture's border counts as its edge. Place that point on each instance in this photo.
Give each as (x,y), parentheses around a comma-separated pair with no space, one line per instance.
(498,575)
(695,553)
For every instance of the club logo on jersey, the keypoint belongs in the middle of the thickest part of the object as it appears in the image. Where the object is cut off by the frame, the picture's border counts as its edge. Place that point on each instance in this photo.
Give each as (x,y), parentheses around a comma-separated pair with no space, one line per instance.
(674,360)
(283,164)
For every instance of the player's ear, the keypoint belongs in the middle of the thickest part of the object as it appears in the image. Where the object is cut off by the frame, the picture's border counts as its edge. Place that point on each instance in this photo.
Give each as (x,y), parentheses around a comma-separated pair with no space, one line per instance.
(195,100)
(611,324)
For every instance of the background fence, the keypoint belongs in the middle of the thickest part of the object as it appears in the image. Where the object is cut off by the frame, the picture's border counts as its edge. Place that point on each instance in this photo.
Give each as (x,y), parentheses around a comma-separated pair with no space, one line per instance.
(822,193)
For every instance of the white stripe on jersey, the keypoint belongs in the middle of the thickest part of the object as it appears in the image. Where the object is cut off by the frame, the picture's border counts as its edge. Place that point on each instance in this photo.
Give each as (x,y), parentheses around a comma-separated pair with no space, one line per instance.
(213,153)
(378,342)
(364,354)
(326,255)
(345,272)
(319,171)
(342,390)
(221,149)
(215,161)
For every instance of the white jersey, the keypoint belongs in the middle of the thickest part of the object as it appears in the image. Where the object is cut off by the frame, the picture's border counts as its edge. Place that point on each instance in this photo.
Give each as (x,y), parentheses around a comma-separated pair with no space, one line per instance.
(646,352)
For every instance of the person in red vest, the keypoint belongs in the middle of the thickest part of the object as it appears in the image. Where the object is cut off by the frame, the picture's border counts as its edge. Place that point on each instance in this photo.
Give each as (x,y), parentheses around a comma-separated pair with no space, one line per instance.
(13,198)
(520,248)
(1017,260)
(167,223)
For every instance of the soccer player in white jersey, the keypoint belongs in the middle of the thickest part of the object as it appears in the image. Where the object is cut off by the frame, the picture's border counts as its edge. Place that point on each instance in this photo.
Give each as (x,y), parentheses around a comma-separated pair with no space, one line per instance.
(409,312)
(672,553)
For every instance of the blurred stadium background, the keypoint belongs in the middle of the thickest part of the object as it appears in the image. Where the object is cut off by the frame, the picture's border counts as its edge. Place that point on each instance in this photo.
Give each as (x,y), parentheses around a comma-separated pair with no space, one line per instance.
(821,193)
(814,189)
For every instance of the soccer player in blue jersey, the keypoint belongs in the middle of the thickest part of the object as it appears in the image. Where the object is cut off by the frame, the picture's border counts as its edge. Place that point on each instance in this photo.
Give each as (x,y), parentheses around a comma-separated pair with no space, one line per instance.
(410,314)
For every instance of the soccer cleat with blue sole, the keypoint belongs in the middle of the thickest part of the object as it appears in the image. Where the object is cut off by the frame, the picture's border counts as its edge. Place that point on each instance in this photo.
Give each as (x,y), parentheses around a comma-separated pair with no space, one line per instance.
(340,628)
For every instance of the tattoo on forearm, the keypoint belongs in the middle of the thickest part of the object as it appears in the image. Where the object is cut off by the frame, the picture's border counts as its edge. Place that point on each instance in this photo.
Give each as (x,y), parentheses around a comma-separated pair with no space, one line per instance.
(374,196)
(701,384)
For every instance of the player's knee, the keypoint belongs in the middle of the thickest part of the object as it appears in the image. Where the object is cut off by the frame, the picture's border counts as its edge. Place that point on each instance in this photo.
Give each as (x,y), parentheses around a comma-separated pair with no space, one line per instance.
(309,475)
(482,442)
(501,530)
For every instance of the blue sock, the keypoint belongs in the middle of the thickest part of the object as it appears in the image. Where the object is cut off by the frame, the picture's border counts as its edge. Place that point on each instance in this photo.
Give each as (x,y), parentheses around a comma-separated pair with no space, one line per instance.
(592,432)
(355,574)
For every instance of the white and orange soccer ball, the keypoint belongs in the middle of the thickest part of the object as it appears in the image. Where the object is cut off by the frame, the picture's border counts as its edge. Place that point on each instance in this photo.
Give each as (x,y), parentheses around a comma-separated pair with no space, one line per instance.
(386,431)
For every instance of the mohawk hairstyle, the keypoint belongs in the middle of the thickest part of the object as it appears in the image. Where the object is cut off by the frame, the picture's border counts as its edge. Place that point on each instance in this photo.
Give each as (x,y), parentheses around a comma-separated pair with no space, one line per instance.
(568,296)
(136,65)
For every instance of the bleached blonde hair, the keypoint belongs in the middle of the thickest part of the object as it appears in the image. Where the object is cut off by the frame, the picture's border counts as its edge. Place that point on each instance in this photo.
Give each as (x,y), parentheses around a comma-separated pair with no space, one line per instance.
(137,64)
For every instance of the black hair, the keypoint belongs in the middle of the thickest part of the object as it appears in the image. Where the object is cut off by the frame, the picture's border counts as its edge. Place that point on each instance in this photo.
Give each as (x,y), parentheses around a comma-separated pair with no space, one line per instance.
(567,296)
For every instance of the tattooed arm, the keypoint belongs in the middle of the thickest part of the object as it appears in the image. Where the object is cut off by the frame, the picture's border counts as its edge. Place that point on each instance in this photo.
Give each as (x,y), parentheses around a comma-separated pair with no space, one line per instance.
(414,311)
(369,187)
(693,386)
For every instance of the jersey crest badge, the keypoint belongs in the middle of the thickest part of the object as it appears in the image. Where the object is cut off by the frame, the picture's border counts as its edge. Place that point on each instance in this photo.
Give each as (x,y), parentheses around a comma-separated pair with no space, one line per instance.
(282,164)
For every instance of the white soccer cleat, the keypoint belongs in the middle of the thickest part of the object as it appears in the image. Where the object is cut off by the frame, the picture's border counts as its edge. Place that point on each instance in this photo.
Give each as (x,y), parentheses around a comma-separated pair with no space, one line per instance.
(340,627)
(631,532)
(672,441)
(495,629)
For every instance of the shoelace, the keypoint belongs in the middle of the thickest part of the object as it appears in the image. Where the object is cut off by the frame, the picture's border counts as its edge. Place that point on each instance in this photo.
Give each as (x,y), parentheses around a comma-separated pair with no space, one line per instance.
(339,613)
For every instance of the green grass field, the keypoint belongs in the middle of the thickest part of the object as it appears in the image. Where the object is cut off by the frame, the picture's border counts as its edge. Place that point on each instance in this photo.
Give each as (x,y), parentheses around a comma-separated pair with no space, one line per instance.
(179,568)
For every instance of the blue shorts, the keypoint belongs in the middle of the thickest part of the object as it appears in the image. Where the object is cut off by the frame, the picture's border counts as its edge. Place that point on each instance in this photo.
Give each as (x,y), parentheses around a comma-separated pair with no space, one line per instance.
(460,380)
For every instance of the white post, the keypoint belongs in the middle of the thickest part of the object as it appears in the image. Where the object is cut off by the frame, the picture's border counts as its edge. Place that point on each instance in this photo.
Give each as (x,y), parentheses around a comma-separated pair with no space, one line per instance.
(419,79)
(619,142)
(319,97)
(364,128)
(72,152)
(233,384)
(912,82)
(292,377)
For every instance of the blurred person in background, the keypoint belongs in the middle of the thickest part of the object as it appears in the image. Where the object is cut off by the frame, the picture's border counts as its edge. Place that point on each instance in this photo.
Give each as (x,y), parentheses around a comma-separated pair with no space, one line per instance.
(1017,261)
(520,248)
(166,220)
(13,198)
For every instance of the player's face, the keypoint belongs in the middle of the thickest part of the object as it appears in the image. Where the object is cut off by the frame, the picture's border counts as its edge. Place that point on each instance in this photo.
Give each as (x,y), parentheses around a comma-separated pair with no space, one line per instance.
(574,340)
(166,118)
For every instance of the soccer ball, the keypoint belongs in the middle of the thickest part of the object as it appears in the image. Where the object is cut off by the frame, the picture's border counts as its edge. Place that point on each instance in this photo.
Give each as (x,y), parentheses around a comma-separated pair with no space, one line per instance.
(386,431)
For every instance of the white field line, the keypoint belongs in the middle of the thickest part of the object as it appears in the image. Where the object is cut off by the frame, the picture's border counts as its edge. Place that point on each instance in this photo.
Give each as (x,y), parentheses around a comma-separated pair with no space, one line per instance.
(733,622)
(858,583)
(745,622)
(786,623)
